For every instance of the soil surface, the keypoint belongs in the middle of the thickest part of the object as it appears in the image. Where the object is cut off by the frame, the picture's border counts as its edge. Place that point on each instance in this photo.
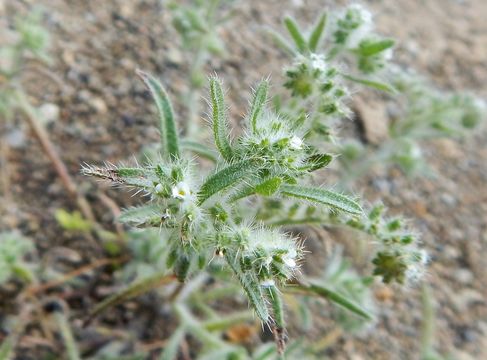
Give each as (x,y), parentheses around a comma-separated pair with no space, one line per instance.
(106,115)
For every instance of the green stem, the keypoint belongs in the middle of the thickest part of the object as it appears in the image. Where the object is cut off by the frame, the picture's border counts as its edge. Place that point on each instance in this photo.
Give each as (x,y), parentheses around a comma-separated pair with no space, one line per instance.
(67,335)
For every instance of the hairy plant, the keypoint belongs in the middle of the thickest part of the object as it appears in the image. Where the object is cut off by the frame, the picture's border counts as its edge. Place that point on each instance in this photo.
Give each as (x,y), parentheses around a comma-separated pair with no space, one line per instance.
(202,216)
(341,51)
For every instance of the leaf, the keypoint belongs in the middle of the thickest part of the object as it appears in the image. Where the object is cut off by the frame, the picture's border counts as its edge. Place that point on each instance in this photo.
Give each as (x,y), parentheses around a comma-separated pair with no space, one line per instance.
(327,197)
(278,325)
(258,103)
(372,83)
(316,162)
(251,287)
(171,348)
(315,36)
(137,177)
(369,48)
(225,178)
(7,347)
(280,41)
(335,297)
(295,33)
(72,221)
(169,134)
(269,186)
(147,215)
(199,149)
(219,119)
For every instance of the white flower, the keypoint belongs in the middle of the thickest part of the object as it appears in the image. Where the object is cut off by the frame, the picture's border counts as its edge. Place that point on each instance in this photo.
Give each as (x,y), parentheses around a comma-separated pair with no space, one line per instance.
(290,258)
(181,191)
(296,143)
(318,62)
(268,283)
(289,262)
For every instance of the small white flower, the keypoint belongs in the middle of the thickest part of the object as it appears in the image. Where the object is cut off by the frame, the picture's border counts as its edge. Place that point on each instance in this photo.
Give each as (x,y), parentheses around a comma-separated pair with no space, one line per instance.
(289,262)
(181,191)
(268,283)
(296,143)
(290,258)
(318,62)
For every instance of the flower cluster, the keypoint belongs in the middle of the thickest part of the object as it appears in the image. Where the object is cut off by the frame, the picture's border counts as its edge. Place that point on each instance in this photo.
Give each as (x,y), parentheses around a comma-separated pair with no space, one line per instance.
(354,34)
(312,76)
(398,257)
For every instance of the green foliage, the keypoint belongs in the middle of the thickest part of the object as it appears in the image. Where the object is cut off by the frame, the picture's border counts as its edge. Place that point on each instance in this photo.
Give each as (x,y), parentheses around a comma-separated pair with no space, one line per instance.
(32,41)
(72,221)
(269,156)
(14,248)
(219,120)
(197,24)
(203,215)
(398,257)
(320,90)
(169,135)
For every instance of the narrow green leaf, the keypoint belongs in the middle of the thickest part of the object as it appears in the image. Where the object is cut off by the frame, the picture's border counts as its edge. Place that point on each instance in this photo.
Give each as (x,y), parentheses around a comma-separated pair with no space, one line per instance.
(226,177)
(169,134)
(67,336)
(219,119)
(370,48)
(137,177)
(171,347)
(277,306)
(258,103)
(269,186)
(146,215)
(199,149)
(280,41)
(338,299)
(295,33)
(327,197)
(278,324)
(7,347)
(251,287)
(372,83)
(315,36)
(316,162)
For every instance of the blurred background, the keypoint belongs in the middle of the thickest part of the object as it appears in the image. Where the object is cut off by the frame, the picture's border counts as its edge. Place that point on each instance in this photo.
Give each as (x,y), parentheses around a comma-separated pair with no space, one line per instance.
(82,103)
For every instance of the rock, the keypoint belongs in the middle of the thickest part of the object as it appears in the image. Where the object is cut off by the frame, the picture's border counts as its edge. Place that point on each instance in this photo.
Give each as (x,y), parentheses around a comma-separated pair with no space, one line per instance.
(98,105)
(49,113)
(465,298)
(68,57)
(448,199)
(464,276)
(373,116)
(15,139)
(449,148)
